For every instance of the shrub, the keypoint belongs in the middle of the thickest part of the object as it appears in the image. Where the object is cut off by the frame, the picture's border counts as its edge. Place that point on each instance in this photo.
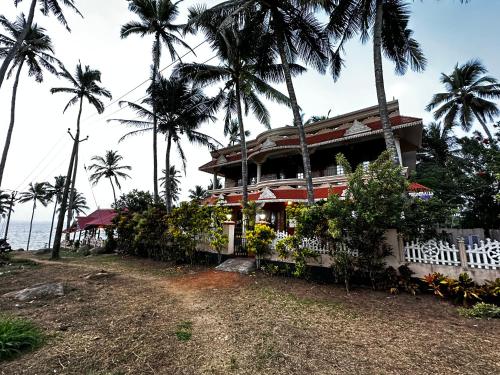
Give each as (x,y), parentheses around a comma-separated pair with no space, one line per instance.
(259,241)
(18,335)
(481,310)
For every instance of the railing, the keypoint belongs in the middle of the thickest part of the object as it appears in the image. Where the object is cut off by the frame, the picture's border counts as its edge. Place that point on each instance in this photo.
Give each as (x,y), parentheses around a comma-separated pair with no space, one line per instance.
(486,255)
(314,244)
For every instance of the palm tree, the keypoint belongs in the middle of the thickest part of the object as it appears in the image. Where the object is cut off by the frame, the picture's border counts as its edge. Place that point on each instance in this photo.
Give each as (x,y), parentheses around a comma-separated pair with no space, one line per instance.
(181,109)
(387,21)
(85,85)
(55,193)
(5,199)
(109,167)
(317,118)
(242,71)
(198,193)
(174,178)
(46,7)
(232,131)
(218,184)
(36,52)
(290,28)
(79,205)
(438,144)
(156,18)
(37,192)
(469,94)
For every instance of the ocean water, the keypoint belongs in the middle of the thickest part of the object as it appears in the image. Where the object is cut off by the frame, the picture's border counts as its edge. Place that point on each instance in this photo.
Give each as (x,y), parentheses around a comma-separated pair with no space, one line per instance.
(18,234)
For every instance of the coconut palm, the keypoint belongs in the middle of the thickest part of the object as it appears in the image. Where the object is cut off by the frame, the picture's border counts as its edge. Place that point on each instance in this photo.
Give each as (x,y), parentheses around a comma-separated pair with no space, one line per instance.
(84,85)
(241,70)
(317,118)
(469,94)
(181,109)
(46,7)
(174,178)
(55,193)
(109,167)
(232,131)
(198,193)
(290,28)
(387,21)
(37,192)
(79,204)
(218,184)
(36,52)
(5,199)
(156,18)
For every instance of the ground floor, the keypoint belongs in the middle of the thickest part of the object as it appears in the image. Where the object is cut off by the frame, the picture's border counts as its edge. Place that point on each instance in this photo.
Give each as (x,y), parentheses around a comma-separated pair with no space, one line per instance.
(155,318)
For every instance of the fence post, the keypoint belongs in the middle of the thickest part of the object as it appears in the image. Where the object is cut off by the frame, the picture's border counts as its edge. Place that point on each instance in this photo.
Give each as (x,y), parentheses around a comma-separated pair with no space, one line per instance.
(401,249)
(228,230)
(463,253)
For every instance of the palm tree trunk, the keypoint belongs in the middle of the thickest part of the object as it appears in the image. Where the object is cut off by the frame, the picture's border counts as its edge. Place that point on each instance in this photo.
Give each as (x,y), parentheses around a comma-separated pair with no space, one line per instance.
(390,143)
(12,121)
(113,187)
(19,41)
(64,200)
(483,124)
(53,218)
(75,169)
(168,195)
(243,144)
(31,223)
(297,121)
(156,67)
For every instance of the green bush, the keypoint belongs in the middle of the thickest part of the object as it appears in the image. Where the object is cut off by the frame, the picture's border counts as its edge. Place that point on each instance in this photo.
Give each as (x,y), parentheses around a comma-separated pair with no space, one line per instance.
(18,335)
(481,311)
(259,241)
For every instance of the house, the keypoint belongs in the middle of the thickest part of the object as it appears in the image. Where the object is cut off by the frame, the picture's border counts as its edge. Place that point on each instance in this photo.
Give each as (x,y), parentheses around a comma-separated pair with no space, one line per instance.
(275,166)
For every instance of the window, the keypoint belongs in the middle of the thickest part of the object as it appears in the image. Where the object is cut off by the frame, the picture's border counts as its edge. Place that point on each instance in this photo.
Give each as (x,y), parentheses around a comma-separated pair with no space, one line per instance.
(340,170)
(300,175)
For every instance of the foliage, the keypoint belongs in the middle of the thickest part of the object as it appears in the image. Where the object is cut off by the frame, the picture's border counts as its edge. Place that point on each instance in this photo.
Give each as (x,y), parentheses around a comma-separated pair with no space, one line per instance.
(198,194)
(481,311)
(343,266)
(291,247)
(18,335)
(250,214)
(111,243)
(108,167)
(134,201)
(259,241)
(184,331)
(218,240)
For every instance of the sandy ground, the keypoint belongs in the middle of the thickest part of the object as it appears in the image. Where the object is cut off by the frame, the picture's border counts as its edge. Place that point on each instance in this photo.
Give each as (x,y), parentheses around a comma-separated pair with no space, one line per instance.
(257,324)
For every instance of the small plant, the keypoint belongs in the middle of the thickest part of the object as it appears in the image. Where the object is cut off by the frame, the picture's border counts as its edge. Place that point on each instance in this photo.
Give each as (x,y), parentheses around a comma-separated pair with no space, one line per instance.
(259,241)
(481,311)
(18,335)
(184,331)
(343,266)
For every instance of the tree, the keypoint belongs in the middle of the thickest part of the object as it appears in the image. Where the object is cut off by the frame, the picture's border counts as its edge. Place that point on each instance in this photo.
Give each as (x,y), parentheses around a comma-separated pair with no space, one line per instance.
(5,199)
(79,204)
(290,28)
(218,184)
(156,18)
(135,201)
(232,131)
(469,94)
(37,192)
(317,118)
(85,85)
(241,71)
(198,193)
(109,167)
(55,193)
(36,52)
(174,180)
(181,109)
(387,21)
(46,7)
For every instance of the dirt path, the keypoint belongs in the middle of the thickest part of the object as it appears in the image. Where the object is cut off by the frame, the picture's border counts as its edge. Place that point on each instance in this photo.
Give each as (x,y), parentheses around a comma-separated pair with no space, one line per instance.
(127,324)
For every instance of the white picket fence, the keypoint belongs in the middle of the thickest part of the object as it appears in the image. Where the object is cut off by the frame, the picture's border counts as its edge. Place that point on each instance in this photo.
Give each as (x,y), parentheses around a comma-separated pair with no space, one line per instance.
(313,244)
(486,255)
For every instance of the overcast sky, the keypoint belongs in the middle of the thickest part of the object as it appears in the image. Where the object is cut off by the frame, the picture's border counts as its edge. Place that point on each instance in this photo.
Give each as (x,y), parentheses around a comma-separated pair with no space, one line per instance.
(449,33)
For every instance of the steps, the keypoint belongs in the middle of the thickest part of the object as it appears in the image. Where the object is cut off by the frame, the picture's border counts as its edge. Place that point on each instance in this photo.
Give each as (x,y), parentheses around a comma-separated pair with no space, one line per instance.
(239,265)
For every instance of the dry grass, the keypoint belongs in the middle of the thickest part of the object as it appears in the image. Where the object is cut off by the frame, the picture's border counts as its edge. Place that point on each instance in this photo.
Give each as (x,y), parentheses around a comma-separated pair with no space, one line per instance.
(129,323)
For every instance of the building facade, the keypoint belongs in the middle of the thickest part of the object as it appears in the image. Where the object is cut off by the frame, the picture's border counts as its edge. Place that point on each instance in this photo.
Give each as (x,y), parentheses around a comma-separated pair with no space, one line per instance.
(275,169)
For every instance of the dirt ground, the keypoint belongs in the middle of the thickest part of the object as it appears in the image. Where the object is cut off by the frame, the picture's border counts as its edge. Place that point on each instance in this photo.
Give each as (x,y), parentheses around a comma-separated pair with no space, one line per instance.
(129,323)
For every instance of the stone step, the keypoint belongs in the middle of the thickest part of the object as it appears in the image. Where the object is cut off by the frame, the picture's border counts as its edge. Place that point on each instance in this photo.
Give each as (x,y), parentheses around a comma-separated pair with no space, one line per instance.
(240,265)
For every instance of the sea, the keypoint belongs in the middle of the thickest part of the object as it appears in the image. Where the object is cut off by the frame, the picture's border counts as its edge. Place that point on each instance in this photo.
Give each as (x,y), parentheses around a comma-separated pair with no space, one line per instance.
(18,234)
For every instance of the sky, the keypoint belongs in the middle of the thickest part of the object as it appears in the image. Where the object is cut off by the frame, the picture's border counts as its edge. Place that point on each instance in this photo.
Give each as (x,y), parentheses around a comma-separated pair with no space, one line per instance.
(448,31)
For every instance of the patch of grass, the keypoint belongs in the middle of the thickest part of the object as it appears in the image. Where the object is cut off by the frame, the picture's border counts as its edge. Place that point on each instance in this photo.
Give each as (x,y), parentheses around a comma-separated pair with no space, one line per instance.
(233,363)
(18,335)
(481,311)
(13,265)
(184,331)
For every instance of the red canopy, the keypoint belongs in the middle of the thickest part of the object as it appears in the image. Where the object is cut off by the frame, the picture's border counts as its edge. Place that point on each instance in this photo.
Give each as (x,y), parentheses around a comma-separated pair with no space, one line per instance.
(97,219)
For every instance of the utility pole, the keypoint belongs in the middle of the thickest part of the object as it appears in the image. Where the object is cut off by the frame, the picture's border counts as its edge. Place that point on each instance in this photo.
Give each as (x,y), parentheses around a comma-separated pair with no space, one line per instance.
(12,198)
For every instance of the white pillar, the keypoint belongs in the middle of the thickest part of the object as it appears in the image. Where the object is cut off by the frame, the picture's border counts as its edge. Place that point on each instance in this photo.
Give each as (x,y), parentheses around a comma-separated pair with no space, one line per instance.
(215,181)
(398,149)
(259,171)
(228,230)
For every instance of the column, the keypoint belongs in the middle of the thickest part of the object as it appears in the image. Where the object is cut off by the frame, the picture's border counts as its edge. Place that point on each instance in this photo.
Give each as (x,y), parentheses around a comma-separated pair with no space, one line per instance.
(215,181)
(228,230)
(259,171)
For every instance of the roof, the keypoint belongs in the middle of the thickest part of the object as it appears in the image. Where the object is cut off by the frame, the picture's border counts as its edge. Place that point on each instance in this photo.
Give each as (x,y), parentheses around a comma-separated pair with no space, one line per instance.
(99,218)
(350,126)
